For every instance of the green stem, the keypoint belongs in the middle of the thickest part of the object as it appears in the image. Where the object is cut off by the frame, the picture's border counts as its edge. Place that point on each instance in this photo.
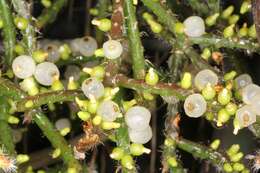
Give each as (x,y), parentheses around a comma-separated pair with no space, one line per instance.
(232,43)
(200,7)
(9,34)
(135,41)
(47,98)
(57,141)
(201,151)
(6,135)
(163,89)
(23,9)
(9,89)
(49,14)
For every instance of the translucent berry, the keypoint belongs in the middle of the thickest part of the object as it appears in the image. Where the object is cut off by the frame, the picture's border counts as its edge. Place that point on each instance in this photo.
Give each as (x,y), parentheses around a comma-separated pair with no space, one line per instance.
(256,104)
(93,88)
(242,80)
(195,105)
(53,52)
(204,77)
(108,110)
(138,118)
(87,46)
(249,92)
(23,66)
(245,116)
(62,123)
(46,73)
(141,137)
(194,26)
(112,49)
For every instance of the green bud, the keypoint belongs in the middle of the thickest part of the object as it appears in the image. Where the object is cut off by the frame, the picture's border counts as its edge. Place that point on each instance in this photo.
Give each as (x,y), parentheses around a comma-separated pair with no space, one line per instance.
(93,11)
(155,27)
(206,54)
(128,104)
(227,12)
(238,167)
(19,49)
(245,7)
(236,157)
(117,153)
(146,16)
(227,167)
(13,120)
(211,20)
(83,104)
(252,31)
(72,85)
(57,85)
(172,162)
(97,120)
(148,96)
(65,131)
(138,149)
(208,92)
(233,19)
(39,56)
(230,75)
(223,117)
(72,170)
(1,23)
(229,31)
(29,104)
(245,171)
(215,144)
(106,125)
(22,158)
(127,161)
(33,91)
(102,24)
(21,23)
(84,116)
(243,31)
(99,52)
(231,108)
(92,107)
(186,81)
(179,28)
(224,96)
(210,116)
(151,78)
(169,142)
(98,72)
(56,153)
(46,3)
(233,149)
(236,125)
(64,51)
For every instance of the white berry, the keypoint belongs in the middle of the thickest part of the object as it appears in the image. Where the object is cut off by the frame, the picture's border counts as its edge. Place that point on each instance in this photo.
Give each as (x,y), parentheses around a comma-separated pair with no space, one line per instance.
(112,49)
(204,77)
(92,88)
(23,66)
(142,136)
(108,110)
(194,26)
(195,105)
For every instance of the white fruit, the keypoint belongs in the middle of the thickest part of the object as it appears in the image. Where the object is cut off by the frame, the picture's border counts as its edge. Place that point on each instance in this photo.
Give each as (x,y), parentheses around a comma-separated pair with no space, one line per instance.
(62,123)
(242,80)
(112,49)
(204,77)
(53,52)
(140,137)
(46,73)
(245,116)
(249,92)
(87,46)
(92,88)
(23,66)
(138,118)
(195,105)
(256,104)
(194,26)
(108,110)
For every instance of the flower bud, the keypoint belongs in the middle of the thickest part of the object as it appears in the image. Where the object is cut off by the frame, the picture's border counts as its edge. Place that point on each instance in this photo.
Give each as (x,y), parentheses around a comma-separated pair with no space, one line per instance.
(223,117)
(211,20)
(206,53)
(231,108)
(224,96)
(138,149)
(245,7)
(172,162)
(64,51)
(227,167)
(13,120)
(102,24)
(39,55)
(229,31)
(186,81)
(72,85)
(117,153)
(233,149)
(233,19)
(238,167)
(236,157)
(179,28)
(84,116)
(208,92)
(106,125)
(243,31)
(21,23)
(97,120)
(57,85)
(252,31)
(127,161)
(22,158)
(215,144)
(151,77)
(56,153)
(155,27)
(230,75)
(227,12)
(129,104)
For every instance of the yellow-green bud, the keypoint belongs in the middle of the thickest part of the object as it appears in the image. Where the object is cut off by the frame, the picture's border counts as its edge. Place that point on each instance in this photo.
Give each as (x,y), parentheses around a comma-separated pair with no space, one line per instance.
(223,117)
(238,167)
(56,153)
(39,56)
(92,106)
(155,26)
(252,31)
(110,125)
(227,167)
(1,23)
(83,104)
(224,96)
(97,120)
(22,158)
(211,20)
(138,149)
(233,19)
(243,31)
(210,116)
(93,11)
(230,75)
(72,85)
(129,104)
(229,31)
(151,78)
(64,51)
(245,7)
(29,104)
(231,108)
(13,120)
(84,116)
(127,161)
(65,131)
(215,144)
(46,3)
(206,53)
(148,96)
(179,28)
(233,149)
(186,81)
(57,85)
(146,16)
(99,52)
(102,24)
(41,171)
(19,49)
(21,23)
(169,142)
(236,157)
(72,170)
(236,125)
(117,153)
(227,12)
(172,162)
(208,92)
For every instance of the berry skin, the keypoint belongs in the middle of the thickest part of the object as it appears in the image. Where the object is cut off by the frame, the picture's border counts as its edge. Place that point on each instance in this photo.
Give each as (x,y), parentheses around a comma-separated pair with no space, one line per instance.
(195,105)
(112,49)
(194,26)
